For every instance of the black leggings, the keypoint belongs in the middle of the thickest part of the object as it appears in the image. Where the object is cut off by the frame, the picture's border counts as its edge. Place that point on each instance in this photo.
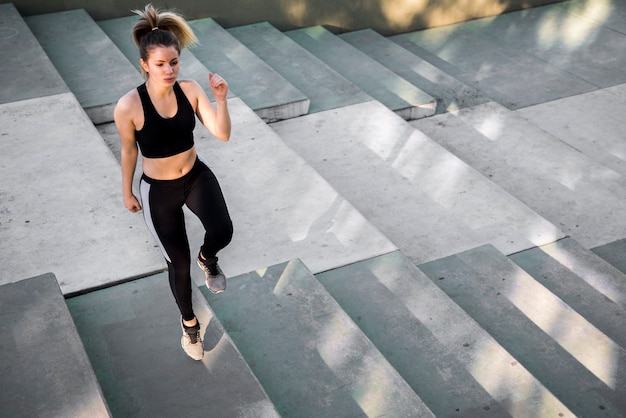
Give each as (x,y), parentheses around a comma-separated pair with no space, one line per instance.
(163,201)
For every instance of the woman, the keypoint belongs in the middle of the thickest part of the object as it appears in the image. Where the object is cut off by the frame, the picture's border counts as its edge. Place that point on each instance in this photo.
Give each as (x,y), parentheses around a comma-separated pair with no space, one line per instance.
(158,117)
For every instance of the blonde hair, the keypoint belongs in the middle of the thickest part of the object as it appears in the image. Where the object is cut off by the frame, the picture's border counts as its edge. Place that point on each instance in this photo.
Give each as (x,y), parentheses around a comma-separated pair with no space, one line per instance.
(161,28)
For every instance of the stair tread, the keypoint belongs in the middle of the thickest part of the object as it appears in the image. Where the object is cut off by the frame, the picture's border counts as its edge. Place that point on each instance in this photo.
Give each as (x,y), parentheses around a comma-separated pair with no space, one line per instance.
(522,159)
(425,199)
(369,75)
(450,93)
(573,359)
(251,79)
(86,66)
(27,72)
(413,322)
(581,279)
(326,88)
(45,371)
(287,326)
(132,334)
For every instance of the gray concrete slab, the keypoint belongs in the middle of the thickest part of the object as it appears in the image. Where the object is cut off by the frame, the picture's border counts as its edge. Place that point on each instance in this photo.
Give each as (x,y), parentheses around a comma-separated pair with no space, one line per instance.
(567,188)
(281,207)
(572,42)
(450,93)
(512,78)
(287,326)
(325,88)
(414,323)
(611,14)
(613,253)
(571,357)
(119,30)
(26,71)
(45,369)
(132,335)
(375,79)
(584,281)
(94,69)
(424,198)
(592,123)
(61,208)
(256,83)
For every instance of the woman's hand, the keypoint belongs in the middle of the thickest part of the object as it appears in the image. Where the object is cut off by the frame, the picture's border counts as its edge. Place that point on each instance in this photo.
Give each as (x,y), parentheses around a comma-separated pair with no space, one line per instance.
(132,204)
(219,86)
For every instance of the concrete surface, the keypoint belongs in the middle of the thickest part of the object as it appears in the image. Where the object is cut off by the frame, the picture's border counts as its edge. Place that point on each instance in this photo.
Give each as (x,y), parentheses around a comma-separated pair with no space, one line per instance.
(132,334)
(426,200)
(282,316)
(93,68)
(45,369)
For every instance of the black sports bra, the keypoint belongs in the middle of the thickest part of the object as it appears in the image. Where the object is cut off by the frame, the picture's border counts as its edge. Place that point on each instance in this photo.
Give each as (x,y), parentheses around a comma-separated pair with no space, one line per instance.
(163,137)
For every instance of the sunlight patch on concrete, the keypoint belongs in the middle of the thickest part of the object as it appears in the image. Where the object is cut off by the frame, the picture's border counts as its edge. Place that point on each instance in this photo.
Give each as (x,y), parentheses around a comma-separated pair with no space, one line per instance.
(592,348)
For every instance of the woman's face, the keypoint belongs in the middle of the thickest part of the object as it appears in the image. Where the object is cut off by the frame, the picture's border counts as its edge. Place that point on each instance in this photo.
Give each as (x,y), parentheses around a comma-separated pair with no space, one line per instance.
(162,65)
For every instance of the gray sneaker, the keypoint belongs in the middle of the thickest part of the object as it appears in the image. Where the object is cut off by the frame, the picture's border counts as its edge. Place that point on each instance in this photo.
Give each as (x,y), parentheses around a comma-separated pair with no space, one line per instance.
(191,341)
(215,278)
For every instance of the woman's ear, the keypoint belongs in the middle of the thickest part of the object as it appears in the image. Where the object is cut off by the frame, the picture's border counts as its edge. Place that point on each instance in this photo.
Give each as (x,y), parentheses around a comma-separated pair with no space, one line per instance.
(143,64)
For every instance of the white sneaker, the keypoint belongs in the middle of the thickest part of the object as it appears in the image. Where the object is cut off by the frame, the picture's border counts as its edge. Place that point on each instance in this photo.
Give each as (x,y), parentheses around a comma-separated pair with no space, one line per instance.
(191,341)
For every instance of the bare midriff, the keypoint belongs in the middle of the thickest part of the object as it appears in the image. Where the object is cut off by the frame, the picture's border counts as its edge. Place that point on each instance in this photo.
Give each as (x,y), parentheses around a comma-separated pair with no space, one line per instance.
(170,168)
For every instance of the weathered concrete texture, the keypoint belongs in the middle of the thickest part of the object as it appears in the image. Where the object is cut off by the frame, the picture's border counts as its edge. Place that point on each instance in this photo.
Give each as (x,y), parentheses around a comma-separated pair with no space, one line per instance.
(94,69)
(325,88)
(289,329)
(592,123)
(132,335)
(425,199)
(61,208)
(369,75)
(45,370)
(456,368)
(280,206)
(25,71)
(559,182)
(573,359)
(256,83)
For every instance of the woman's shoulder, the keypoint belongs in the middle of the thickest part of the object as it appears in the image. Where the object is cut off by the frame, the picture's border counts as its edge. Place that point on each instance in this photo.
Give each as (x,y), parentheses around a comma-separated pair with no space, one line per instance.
(128,104)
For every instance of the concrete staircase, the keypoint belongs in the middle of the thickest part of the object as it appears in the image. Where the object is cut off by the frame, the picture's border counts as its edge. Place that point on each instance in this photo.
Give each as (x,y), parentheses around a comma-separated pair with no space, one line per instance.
(428,224)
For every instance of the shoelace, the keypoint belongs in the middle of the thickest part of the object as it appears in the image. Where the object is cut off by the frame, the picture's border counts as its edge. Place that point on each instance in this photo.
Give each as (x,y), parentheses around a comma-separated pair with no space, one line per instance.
(194,336)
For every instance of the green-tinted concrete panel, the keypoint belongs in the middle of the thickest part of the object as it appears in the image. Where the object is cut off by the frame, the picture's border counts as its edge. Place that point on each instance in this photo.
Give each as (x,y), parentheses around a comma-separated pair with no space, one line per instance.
(613,253)
(132,335)
(45,370)
(25,70)
(95,70)
(326,88)
(309,356)
(251,79)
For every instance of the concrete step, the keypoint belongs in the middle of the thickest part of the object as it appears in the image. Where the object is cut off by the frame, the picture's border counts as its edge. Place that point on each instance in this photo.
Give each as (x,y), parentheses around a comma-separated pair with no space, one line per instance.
(592,123)
(372,77)
(450,93)
(132,335)
(281,207)
(613,253)
(251,79)
(94,69)
(453,364)
(45,370)
(26,72)
(573,359)
(559,182)
(119,30)
(505,74)
(309,356)
(61,197)
(425,199)
(584,281)
(325,88)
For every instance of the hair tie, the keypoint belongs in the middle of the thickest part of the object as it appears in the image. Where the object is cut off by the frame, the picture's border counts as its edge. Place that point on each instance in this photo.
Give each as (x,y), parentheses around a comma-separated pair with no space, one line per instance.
(155,28)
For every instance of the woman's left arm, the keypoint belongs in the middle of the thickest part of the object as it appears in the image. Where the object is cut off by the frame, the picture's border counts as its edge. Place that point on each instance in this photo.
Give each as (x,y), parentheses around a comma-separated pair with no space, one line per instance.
(216,120)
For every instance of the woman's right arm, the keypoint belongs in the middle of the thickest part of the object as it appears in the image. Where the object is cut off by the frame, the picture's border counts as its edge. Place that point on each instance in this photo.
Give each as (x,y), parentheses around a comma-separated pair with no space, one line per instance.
(128,157)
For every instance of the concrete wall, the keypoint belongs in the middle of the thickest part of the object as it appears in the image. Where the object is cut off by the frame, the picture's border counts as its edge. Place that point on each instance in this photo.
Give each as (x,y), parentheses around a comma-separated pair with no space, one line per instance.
(385,16)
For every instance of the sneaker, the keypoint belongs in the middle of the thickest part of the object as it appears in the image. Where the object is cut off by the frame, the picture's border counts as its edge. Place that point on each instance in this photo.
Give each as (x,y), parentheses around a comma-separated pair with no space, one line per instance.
(215,278)
(191,341)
